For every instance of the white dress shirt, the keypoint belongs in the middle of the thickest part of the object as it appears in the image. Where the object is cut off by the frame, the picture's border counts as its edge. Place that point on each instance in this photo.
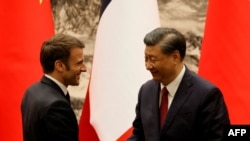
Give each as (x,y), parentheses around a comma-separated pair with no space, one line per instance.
(173,86)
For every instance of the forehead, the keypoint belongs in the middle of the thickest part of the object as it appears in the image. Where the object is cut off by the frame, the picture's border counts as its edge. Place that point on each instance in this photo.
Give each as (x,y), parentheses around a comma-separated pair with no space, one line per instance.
(153,50)
(76,54)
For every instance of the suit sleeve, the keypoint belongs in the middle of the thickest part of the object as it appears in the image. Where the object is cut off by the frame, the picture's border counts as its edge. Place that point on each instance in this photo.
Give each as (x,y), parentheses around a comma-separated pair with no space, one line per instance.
(137,134)
(60,122)
(214,116)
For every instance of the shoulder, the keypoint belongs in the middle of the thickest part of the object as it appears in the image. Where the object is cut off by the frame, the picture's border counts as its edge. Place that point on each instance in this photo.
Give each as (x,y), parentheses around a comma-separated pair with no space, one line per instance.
(149,88)
(43,95)
(202,87)
(198,81)
(150,84)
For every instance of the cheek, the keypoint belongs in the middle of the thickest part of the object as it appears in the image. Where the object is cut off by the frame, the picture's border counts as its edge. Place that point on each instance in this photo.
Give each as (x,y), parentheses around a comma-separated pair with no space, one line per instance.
(160,65)
(77,69)
(163,67)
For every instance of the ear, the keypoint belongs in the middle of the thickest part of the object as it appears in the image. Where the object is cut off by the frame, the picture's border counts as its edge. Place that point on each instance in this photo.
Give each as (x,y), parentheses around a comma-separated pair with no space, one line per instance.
(59,66)
(176,56)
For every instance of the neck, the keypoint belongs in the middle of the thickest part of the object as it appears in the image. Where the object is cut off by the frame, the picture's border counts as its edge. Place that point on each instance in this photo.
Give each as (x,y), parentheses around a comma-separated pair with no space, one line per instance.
(57,77)
(177,71)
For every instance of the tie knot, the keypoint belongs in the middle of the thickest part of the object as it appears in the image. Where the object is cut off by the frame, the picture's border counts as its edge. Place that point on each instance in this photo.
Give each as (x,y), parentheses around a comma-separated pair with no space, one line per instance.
(164,90)
(67,96)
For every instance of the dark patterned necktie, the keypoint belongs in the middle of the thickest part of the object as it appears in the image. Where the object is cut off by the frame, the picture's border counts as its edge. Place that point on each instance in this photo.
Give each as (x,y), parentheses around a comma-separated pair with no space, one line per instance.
(68,97)
(164,105)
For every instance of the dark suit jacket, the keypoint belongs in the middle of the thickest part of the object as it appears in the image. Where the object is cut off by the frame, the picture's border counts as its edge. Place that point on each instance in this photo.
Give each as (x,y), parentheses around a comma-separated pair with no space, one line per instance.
(47,114)
(197,113)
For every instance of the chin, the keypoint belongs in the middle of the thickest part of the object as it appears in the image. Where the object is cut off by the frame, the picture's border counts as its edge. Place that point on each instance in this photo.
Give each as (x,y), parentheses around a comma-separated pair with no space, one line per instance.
(75,84)
(156,79)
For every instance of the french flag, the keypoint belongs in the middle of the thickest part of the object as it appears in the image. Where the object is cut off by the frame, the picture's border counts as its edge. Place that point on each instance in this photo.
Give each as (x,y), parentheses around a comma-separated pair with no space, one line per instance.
(118,69)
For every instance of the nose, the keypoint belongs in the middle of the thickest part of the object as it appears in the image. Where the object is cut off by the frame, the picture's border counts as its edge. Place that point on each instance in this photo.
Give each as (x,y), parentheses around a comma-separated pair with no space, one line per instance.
(148,65)
(83,68)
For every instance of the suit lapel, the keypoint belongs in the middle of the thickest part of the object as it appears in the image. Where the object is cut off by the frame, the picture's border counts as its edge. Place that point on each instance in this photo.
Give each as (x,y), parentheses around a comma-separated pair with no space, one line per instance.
(182,93)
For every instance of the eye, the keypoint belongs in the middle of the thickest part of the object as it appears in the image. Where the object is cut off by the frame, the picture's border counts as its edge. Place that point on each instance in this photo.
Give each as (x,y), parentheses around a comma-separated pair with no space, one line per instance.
(153,59)
(80,63)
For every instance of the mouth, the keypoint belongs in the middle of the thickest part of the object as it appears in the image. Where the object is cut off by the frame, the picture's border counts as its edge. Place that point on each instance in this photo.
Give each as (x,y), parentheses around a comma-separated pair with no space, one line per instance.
(153,72)
(78,77)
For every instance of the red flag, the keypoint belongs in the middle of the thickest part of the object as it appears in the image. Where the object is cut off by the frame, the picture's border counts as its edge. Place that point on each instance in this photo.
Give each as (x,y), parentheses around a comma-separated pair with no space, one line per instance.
(86,130)
(118,69)
(225,58)
(24,26)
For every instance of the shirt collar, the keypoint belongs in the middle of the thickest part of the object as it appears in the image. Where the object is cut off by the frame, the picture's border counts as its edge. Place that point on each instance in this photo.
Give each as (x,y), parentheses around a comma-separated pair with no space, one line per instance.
(64,89)
(173,86)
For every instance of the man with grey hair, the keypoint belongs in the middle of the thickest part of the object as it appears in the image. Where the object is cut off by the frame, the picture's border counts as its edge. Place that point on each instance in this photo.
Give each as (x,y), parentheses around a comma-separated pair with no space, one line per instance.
(177,104)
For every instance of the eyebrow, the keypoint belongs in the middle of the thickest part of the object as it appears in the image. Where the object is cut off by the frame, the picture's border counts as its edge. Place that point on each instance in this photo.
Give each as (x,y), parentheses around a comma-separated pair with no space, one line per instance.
(80,62)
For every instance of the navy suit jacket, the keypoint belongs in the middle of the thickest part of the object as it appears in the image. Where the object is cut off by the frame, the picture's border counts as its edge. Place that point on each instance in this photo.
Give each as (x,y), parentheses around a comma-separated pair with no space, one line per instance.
(47,114)
(197,113)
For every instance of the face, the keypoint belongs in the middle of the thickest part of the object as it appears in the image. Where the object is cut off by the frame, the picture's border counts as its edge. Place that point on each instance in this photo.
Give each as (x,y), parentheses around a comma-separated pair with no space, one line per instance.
(161,66)
(71,75)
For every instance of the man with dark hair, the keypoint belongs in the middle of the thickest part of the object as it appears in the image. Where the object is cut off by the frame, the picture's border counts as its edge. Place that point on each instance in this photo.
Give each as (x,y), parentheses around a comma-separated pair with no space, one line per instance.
(46,111)
(177,104)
